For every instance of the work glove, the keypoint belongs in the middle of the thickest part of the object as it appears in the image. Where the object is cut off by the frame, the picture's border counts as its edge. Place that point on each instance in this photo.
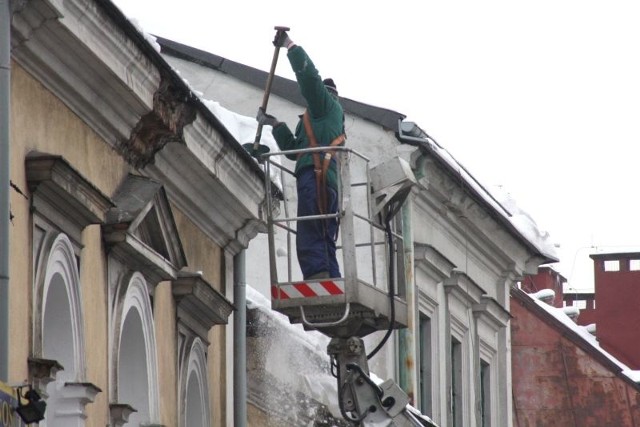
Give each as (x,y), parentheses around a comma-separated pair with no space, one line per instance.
(282,40)
(266,119)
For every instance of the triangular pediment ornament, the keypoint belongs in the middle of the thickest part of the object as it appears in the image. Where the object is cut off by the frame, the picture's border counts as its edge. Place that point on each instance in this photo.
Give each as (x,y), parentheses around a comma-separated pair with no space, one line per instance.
(140,229)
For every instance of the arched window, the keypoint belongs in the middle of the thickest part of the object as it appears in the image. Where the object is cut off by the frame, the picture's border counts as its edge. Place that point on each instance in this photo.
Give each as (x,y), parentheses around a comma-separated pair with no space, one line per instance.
(196,393)
(59,327)
(137,372)
(59,334)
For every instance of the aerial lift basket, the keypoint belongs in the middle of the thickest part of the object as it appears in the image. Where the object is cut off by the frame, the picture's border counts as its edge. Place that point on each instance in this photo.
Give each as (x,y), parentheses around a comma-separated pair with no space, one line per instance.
(359,302)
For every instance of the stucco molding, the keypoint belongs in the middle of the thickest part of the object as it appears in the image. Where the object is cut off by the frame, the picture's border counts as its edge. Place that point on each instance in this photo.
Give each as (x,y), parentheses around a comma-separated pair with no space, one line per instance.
(42,372)
(199,305)
(193,367)
(57,261)
(119,413)
(140,230)
(133,298)
(214,151)
(58,190)
(74,397)
(490,311)
(130,250)
(73,47)
(219,202)
(467,216)
(432,262)
(463,288)
(427,304)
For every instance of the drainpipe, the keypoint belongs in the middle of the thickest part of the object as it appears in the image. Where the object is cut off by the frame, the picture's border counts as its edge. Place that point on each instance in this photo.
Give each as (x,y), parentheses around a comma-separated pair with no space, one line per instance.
(409,133)
(407,344)
(240,341)
(5,83)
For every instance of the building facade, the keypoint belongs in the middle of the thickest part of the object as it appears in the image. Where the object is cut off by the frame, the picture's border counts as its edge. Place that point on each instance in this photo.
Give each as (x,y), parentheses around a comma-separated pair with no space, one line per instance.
(132,202)
(561,375)
(129,202)
(616,298)
(546,278)
(610,308)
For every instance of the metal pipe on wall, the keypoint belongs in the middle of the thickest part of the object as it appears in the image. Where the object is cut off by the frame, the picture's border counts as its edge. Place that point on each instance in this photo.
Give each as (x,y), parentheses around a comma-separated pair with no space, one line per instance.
(240,341)
(5,84)
(407,342)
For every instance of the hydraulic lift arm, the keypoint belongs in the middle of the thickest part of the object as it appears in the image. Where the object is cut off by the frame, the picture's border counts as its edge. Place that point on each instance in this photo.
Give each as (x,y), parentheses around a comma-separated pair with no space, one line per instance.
(361,400)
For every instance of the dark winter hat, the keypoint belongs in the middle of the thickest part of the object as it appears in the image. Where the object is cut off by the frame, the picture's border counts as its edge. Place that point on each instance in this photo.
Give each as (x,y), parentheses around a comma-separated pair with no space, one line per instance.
(329,84)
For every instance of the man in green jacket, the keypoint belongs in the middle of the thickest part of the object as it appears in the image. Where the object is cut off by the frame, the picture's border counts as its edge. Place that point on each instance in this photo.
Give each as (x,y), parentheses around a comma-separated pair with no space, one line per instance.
(322,124)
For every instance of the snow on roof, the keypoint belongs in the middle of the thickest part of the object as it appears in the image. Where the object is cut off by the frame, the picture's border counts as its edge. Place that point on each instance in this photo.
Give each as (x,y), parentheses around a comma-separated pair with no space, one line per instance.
(584,333)
(242,128)
(148,37)
(634,375)
(572,312)
(504,203)
(544,294)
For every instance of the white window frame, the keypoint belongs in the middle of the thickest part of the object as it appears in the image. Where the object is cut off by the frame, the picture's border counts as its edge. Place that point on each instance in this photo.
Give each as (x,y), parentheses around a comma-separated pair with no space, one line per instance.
(196,369)
(137,298)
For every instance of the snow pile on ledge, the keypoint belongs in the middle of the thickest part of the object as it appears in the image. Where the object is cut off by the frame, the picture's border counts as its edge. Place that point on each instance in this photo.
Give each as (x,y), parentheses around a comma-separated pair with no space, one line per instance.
(320,387)
(244,130)
(545,295)
(524,222)
(312,340)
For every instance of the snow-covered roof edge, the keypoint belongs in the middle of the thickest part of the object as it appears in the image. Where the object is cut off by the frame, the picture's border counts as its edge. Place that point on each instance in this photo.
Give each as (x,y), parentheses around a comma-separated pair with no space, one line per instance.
(501,202)
(284,88)
(151,48)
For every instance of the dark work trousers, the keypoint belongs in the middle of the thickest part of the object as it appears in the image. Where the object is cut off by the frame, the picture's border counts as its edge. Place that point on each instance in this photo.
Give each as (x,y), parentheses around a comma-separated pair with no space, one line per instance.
(315,240)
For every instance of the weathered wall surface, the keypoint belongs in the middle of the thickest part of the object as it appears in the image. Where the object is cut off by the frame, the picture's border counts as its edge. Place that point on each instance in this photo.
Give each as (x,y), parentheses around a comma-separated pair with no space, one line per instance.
(617,300)
(41,122)
(557,382)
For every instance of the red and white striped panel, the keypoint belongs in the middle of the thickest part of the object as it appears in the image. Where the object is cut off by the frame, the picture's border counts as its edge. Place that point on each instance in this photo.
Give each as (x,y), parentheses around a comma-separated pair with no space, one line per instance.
(307,290)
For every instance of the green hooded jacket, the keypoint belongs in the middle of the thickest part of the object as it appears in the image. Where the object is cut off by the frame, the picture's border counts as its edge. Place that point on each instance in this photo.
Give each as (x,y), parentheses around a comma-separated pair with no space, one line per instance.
(325,111)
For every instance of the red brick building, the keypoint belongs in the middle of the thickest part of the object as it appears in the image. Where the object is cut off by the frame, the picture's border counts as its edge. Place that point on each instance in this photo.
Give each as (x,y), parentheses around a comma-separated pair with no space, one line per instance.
(617,310)
(547,278)
(560,375)
(586,302)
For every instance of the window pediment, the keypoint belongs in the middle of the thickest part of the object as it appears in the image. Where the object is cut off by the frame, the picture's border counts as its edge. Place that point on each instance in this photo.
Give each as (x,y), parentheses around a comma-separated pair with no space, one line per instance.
(200,306)
(463,287)
(432,261)
(62,194)
(140,229)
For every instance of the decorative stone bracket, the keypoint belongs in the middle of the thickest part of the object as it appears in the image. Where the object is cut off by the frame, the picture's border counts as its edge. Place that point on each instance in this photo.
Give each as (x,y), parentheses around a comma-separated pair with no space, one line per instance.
(42,372)
(119,413)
